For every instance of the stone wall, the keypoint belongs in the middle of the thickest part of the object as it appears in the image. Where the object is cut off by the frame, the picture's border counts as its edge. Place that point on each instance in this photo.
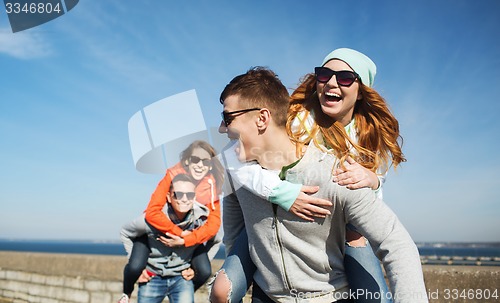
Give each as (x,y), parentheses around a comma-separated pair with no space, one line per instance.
(71,278)
(40,277)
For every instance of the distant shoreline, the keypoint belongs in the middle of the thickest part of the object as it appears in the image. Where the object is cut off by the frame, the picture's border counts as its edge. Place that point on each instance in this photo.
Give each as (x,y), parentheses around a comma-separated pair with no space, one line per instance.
(437,253)
(117,241)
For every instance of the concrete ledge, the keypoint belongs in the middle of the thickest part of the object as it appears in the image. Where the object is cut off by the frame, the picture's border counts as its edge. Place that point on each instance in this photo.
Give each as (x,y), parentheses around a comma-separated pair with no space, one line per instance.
(97,278)
(71,265)
(462,283)
(27,277)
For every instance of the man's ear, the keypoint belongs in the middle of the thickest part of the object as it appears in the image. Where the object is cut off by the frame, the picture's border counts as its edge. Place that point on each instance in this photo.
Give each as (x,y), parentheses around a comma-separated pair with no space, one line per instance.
(264,119)
(168,197)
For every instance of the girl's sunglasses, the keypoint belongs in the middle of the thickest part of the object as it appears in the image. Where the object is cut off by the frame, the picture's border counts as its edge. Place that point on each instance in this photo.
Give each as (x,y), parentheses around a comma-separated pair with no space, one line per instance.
(179,194)
(196,160)
(344,77)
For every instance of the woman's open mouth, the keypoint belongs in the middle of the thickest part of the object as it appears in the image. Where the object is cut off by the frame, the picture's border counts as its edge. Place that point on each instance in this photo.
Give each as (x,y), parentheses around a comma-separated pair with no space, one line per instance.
(332,97)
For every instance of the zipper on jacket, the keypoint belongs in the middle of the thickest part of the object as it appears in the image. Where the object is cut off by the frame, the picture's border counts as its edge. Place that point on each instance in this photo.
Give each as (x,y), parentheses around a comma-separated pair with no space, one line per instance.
(275,227)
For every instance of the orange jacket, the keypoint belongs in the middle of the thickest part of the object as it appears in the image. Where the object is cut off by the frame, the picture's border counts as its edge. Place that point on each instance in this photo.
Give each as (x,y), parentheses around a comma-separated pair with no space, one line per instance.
(206,194)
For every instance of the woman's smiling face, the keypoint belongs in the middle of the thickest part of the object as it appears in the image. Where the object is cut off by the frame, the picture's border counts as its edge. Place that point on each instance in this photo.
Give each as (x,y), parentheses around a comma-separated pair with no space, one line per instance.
(198,170)
(338,101)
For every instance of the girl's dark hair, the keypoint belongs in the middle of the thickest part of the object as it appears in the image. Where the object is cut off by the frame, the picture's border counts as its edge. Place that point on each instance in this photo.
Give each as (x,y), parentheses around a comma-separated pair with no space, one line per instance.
(217,170)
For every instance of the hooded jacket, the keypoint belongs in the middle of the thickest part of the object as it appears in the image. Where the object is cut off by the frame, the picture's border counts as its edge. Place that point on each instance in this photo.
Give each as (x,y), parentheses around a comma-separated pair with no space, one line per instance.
(206,194)
(302,261)
(163,260)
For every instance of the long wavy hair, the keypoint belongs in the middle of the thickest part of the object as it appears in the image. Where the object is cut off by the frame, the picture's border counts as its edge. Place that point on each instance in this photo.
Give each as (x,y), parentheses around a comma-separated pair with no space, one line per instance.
(379,142)
(217,170)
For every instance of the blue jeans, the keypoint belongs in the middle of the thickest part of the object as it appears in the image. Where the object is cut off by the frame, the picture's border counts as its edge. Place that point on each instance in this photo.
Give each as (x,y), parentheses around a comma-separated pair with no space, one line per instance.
(362,269)
(176,288)
(239,268)
(365,275)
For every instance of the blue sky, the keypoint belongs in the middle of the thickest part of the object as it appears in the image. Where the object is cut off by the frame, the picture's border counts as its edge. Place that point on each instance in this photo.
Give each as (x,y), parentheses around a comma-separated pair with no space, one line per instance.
(69,87)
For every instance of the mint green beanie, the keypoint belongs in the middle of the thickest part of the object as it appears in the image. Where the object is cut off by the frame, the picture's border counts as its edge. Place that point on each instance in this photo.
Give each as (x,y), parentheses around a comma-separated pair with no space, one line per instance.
(360,63)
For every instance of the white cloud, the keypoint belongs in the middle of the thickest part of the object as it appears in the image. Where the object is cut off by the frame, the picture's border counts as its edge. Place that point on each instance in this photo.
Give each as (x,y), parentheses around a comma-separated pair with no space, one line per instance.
(23,45)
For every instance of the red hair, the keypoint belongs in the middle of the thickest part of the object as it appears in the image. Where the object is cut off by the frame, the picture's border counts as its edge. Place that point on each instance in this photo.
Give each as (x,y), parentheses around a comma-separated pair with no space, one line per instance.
(379,142)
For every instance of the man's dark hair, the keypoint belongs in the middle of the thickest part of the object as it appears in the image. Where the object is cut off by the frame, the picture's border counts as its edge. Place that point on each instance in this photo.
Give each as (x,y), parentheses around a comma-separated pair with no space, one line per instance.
(260,87)
(181,178)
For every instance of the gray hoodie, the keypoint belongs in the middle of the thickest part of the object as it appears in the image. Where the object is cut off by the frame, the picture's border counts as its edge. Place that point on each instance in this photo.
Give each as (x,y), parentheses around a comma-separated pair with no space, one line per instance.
(165,261)
(302,261)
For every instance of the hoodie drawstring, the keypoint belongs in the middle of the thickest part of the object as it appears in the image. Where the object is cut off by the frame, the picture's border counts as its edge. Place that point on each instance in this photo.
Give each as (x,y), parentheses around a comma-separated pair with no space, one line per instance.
(212,195)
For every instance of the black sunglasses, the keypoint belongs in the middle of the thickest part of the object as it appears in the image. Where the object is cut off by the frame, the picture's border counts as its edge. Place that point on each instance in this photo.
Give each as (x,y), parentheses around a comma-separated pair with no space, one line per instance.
(179,194)
(196,160)
(344,77)
(228,117)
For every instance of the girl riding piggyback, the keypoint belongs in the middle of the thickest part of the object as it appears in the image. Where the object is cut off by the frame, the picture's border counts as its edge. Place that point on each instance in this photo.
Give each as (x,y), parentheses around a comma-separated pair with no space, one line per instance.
(199,161)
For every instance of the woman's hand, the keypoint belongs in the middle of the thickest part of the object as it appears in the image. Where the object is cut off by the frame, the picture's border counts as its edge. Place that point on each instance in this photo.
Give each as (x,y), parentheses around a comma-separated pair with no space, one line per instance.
(307,207)
(144,277)
(171,240)
(355,176)
(188,274)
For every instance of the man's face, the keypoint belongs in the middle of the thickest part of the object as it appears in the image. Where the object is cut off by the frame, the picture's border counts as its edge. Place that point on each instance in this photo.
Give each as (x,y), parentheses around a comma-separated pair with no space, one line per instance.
(182,197)
(243,128)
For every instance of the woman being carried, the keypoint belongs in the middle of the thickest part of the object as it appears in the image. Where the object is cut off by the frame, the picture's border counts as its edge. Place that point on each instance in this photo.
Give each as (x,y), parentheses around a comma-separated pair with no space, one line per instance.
(335,107)
(199,161)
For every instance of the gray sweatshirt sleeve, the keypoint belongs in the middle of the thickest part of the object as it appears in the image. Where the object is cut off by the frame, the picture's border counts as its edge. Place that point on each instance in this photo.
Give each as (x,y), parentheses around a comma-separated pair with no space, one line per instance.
(131,230)
(233,222)
(390,241)
(232,215)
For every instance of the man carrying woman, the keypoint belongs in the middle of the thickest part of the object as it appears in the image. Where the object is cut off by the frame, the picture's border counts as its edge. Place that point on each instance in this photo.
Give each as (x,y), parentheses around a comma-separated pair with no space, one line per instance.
(297,259)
